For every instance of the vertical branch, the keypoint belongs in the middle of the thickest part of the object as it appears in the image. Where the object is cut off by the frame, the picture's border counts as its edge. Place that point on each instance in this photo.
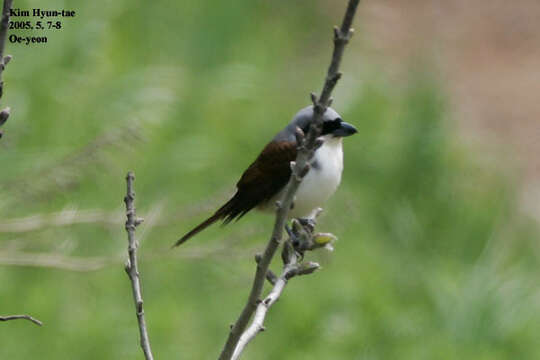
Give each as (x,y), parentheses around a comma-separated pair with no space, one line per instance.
(4,114)
(301,239)
(342,35)
(4,25)
(306,148)
(132,268)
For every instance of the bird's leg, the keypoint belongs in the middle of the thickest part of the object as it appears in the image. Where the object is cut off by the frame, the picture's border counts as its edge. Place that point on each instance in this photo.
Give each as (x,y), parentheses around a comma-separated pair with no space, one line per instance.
(308,223)
(296,240)
(301,234)
(292,235)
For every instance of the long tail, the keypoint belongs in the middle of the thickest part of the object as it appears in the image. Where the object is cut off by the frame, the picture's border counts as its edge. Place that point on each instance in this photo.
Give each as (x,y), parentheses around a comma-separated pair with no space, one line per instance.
(206,223)
(227,212)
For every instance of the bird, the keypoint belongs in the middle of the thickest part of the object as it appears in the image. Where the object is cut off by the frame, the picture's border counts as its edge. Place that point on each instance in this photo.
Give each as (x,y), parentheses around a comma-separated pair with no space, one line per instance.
(263,182)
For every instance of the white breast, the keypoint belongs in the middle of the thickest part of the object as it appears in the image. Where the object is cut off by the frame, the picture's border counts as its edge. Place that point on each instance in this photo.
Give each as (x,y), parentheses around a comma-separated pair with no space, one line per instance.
(321,181)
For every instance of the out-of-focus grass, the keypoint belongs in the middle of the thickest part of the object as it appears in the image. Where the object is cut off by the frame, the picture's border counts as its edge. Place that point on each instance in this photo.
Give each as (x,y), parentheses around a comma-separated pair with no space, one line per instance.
(434,260)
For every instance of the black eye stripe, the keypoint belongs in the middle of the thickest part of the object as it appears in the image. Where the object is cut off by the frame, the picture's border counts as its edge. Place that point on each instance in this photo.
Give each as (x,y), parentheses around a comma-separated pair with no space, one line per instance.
(331,126)
(328,126)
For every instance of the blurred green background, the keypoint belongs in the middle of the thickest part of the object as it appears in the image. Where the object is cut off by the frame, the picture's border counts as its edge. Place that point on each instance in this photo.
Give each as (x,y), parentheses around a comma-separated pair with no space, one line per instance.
(434,261)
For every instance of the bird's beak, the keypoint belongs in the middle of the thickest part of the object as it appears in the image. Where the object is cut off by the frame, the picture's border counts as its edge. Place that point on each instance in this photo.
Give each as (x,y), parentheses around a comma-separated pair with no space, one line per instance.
(345,129)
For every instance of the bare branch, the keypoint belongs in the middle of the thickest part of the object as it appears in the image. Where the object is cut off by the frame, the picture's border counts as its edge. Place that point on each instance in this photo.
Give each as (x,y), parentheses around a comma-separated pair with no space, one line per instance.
(270,276)
(4,114)
(260,314)
(132,268)
(306,148)
(292,266)
(342,36)
(4,26)
(17,317)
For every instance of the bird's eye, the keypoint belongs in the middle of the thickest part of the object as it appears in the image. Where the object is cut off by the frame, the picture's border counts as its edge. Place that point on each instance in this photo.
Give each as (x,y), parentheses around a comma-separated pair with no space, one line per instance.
(336,124)
(331,125)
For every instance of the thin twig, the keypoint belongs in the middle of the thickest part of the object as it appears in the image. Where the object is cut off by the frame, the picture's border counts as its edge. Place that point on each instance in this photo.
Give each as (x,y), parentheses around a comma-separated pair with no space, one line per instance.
(132,268)
(4,114)
(306,148)
(17,317)
(260,314)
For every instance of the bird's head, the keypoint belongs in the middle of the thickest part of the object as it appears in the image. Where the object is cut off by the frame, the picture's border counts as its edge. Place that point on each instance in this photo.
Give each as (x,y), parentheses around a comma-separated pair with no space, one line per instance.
(333,124)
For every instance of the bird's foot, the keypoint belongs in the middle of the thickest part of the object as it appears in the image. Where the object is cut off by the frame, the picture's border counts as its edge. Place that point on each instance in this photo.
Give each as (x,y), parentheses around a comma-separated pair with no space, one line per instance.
(293,244)
(308,224)
(299,236)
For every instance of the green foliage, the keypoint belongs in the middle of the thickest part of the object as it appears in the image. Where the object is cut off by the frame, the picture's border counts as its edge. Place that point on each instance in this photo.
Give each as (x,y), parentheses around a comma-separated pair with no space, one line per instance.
(433,261)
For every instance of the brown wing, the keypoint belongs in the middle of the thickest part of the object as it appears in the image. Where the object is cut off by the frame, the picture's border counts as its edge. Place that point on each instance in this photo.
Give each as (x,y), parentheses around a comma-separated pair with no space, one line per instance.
(263,179)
